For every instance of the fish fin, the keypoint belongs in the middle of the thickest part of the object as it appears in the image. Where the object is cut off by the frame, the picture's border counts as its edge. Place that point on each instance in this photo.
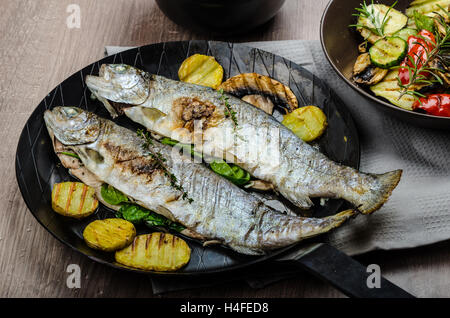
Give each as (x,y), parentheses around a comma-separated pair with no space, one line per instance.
(112,111)
(211,242)
(376,198)
(246,250)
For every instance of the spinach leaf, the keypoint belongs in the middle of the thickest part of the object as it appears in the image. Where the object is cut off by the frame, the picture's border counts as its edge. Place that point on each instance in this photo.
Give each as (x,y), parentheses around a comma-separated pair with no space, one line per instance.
(231,172)
(423,22)
(137,214)
(112,196)
(174,143)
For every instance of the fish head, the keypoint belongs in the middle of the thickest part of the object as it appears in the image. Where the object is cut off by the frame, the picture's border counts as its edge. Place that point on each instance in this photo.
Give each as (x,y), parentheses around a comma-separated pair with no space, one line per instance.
(120,83)
(72,125)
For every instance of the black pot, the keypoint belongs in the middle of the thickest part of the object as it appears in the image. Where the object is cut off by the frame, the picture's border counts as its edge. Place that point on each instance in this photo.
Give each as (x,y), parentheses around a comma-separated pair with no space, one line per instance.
(220,16)
(340,44)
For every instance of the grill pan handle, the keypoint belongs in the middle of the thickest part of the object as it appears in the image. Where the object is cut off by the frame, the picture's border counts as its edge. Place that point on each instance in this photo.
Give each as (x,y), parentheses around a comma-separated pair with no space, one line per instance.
(343,272)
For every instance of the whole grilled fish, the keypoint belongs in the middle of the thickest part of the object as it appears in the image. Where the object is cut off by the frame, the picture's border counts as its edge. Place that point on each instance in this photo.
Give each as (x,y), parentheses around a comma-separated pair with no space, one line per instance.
(208,205)
(223,126)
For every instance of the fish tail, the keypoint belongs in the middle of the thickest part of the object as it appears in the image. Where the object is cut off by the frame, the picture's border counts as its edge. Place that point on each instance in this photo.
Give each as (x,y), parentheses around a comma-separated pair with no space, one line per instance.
(297,229)
(379,194)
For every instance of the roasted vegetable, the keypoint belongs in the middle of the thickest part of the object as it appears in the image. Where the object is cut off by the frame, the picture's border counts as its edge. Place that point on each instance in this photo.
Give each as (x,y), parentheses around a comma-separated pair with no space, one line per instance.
(262,102)
(388,52)
(427,7)
(405,33)
(389,89)
(307,122)
(137,214)
(155,251)
(378,20)
(109,234)
(231,172)
(435,104)
(74,199)
(246,84)
(112,195)
(364,72)
(201,70)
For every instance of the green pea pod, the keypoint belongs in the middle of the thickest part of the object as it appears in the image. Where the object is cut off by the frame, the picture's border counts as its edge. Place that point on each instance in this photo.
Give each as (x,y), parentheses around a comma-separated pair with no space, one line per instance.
(112,196)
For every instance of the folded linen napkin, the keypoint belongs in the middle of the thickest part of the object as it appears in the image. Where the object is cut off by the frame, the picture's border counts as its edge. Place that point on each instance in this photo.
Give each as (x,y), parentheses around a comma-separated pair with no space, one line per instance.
(418,212)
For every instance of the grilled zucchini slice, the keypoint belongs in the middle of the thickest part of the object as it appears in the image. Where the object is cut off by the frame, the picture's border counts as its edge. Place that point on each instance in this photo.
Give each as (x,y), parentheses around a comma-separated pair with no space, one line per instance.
(389,89)
(427,7)
(388,52)
(395,21)
(156,251)
(201,70)
(109,234)
(74,199)
(405,33)
(307,122)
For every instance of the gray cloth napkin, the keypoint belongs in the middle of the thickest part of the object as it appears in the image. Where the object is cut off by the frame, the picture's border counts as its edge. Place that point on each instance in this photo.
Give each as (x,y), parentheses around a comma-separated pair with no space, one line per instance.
(418,212)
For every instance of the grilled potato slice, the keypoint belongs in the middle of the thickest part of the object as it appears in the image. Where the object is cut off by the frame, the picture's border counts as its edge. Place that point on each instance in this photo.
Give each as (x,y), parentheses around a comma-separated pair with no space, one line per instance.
(74,199)
(307,122)
(155,251)
(201,70)
(109,234)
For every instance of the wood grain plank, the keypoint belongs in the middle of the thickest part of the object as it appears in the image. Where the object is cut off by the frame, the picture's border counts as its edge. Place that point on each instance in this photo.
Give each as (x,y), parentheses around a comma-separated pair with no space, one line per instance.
(37,52)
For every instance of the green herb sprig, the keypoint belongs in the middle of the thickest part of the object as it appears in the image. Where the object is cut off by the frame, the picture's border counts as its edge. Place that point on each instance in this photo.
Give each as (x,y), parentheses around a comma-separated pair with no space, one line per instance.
(374,17)
(229,112)
(160,162)
(421,73)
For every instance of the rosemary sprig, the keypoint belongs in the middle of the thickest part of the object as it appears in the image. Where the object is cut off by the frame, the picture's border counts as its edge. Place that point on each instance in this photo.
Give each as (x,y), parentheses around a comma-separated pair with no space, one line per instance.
(229,112)
(160,160)
(420,73)
(373,17)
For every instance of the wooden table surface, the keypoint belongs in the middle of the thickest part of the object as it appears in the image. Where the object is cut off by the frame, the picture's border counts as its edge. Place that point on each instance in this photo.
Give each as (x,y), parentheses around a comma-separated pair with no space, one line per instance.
(38,51)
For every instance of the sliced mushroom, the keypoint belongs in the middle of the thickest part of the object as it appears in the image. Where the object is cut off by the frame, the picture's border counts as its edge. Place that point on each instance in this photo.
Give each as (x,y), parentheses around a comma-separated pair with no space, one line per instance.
(441,69)
(364,72)
(255,84)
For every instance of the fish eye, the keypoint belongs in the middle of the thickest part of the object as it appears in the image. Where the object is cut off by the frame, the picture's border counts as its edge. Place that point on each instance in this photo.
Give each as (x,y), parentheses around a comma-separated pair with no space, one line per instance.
(121,68)
(70,112)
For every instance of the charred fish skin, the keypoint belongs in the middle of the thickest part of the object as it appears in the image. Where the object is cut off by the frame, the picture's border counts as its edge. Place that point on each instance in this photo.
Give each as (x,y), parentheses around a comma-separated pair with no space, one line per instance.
(299,173)
(219,210)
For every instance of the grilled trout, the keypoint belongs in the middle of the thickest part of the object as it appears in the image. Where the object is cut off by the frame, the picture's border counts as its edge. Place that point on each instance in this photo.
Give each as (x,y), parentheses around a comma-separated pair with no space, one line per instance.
(208,205)
(220,125)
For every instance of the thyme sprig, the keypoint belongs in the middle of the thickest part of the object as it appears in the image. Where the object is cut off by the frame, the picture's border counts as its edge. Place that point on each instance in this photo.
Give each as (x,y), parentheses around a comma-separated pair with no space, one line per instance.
(374,18)
(420,72)
(160,162)
(229,112)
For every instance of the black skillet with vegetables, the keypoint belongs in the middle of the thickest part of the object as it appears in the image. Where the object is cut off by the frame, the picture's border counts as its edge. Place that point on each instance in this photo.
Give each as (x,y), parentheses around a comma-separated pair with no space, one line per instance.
(405,57)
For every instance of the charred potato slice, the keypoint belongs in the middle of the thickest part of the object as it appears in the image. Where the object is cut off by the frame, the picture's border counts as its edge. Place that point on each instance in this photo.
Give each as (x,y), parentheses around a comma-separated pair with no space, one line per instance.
(307,122)
(74,199)
(109,235)
(201,70)
(249,84)
(155,251)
